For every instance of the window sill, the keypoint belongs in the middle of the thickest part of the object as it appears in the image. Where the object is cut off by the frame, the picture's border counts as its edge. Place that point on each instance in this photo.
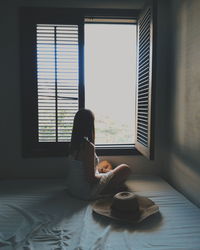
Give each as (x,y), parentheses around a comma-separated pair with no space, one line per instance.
(109,150)
(61,150)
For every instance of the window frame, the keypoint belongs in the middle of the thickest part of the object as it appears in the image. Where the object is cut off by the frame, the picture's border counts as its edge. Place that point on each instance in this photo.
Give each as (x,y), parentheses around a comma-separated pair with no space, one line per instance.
(28,18)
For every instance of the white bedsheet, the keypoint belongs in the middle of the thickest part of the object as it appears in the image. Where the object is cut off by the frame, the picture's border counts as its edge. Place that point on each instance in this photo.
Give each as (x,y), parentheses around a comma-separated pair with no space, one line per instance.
(39,214)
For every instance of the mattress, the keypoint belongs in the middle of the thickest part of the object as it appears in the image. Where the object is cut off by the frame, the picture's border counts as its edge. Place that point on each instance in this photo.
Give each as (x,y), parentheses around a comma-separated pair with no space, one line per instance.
(39,214)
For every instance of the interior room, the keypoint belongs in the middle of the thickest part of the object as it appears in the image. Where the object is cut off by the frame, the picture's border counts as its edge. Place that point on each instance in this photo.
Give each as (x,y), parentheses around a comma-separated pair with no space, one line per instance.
(36,211)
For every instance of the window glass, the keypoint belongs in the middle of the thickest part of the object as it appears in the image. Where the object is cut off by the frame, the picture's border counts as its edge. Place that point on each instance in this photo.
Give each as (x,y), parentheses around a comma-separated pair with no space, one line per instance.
(110,78)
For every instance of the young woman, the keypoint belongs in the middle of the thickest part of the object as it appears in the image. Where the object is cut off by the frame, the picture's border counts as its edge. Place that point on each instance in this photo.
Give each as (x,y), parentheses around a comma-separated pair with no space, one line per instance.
(84,179)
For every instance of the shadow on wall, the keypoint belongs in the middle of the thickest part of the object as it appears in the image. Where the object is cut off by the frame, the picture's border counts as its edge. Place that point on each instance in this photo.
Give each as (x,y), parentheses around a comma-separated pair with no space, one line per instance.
(183,167)
(184,173)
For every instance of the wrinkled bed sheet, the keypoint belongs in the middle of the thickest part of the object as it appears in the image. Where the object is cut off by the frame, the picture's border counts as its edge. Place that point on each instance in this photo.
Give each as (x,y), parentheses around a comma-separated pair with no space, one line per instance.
(39,214)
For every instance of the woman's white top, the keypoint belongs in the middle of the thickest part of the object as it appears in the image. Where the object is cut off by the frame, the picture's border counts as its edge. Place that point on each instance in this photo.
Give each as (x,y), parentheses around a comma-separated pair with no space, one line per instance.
(77,183)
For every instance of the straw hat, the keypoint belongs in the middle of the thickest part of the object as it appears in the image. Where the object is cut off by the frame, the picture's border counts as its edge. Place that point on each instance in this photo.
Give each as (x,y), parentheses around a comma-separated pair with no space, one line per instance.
(126,207)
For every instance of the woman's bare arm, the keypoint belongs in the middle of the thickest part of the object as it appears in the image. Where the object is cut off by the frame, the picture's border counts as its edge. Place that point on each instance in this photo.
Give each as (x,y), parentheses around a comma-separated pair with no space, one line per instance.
(87,156)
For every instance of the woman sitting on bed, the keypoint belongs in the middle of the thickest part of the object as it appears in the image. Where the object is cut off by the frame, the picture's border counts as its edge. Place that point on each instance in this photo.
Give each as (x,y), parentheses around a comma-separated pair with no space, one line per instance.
(84,179)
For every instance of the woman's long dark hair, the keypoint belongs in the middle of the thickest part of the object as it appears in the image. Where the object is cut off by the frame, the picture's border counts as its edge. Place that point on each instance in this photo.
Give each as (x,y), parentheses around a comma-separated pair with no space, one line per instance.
(83,127)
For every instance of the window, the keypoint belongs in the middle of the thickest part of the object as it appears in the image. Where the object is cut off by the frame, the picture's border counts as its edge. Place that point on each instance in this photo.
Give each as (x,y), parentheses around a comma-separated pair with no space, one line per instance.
(110,75)
(61,68)
(57,81)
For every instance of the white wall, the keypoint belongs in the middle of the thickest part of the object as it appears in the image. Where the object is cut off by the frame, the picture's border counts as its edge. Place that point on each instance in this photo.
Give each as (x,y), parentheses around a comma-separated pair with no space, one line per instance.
(183,168)
(12,165)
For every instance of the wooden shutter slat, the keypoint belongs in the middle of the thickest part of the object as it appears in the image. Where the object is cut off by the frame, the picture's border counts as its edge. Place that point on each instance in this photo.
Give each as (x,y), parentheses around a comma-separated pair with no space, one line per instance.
(144,42)
(143,20)
(145,33)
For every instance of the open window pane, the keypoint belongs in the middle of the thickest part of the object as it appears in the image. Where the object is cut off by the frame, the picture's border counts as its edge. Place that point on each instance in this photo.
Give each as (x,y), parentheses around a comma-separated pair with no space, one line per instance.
(110,79)
(145,84)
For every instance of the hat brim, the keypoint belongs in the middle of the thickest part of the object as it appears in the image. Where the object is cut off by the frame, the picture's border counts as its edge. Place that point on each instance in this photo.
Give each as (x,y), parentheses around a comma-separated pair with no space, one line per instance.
(146,208)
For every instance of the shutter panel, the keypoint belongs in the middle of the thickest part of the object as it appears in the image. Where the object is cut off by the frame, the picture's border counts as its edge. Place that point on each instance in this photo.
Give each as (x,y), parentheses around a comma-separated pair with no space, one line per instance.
(57,81)
(144,84)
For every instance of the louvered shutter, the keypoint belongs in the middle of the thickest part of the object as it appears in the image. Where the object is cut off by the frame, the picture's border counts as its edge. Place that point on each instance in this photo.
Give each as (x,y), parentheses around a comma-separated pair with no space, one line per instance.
(144,84)
(57,81)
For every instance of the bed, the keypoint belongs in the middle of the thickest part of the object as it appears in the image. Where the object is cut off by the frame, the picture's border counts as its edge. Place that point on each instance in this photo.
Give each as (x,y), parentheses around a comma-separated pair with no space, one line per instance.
(39,214)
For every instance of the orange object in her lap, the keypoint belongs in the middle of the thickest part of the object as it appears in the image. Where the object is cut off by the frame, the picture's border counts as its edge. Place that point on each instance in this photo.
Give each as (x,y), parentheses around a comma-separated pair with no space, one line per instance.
(104,167)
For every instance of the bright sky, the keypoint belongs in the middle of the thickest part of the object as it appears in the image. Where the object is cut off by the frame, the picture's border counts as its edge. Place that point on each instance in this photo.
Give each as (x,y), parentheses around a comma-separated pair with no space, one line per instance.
(110,70)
